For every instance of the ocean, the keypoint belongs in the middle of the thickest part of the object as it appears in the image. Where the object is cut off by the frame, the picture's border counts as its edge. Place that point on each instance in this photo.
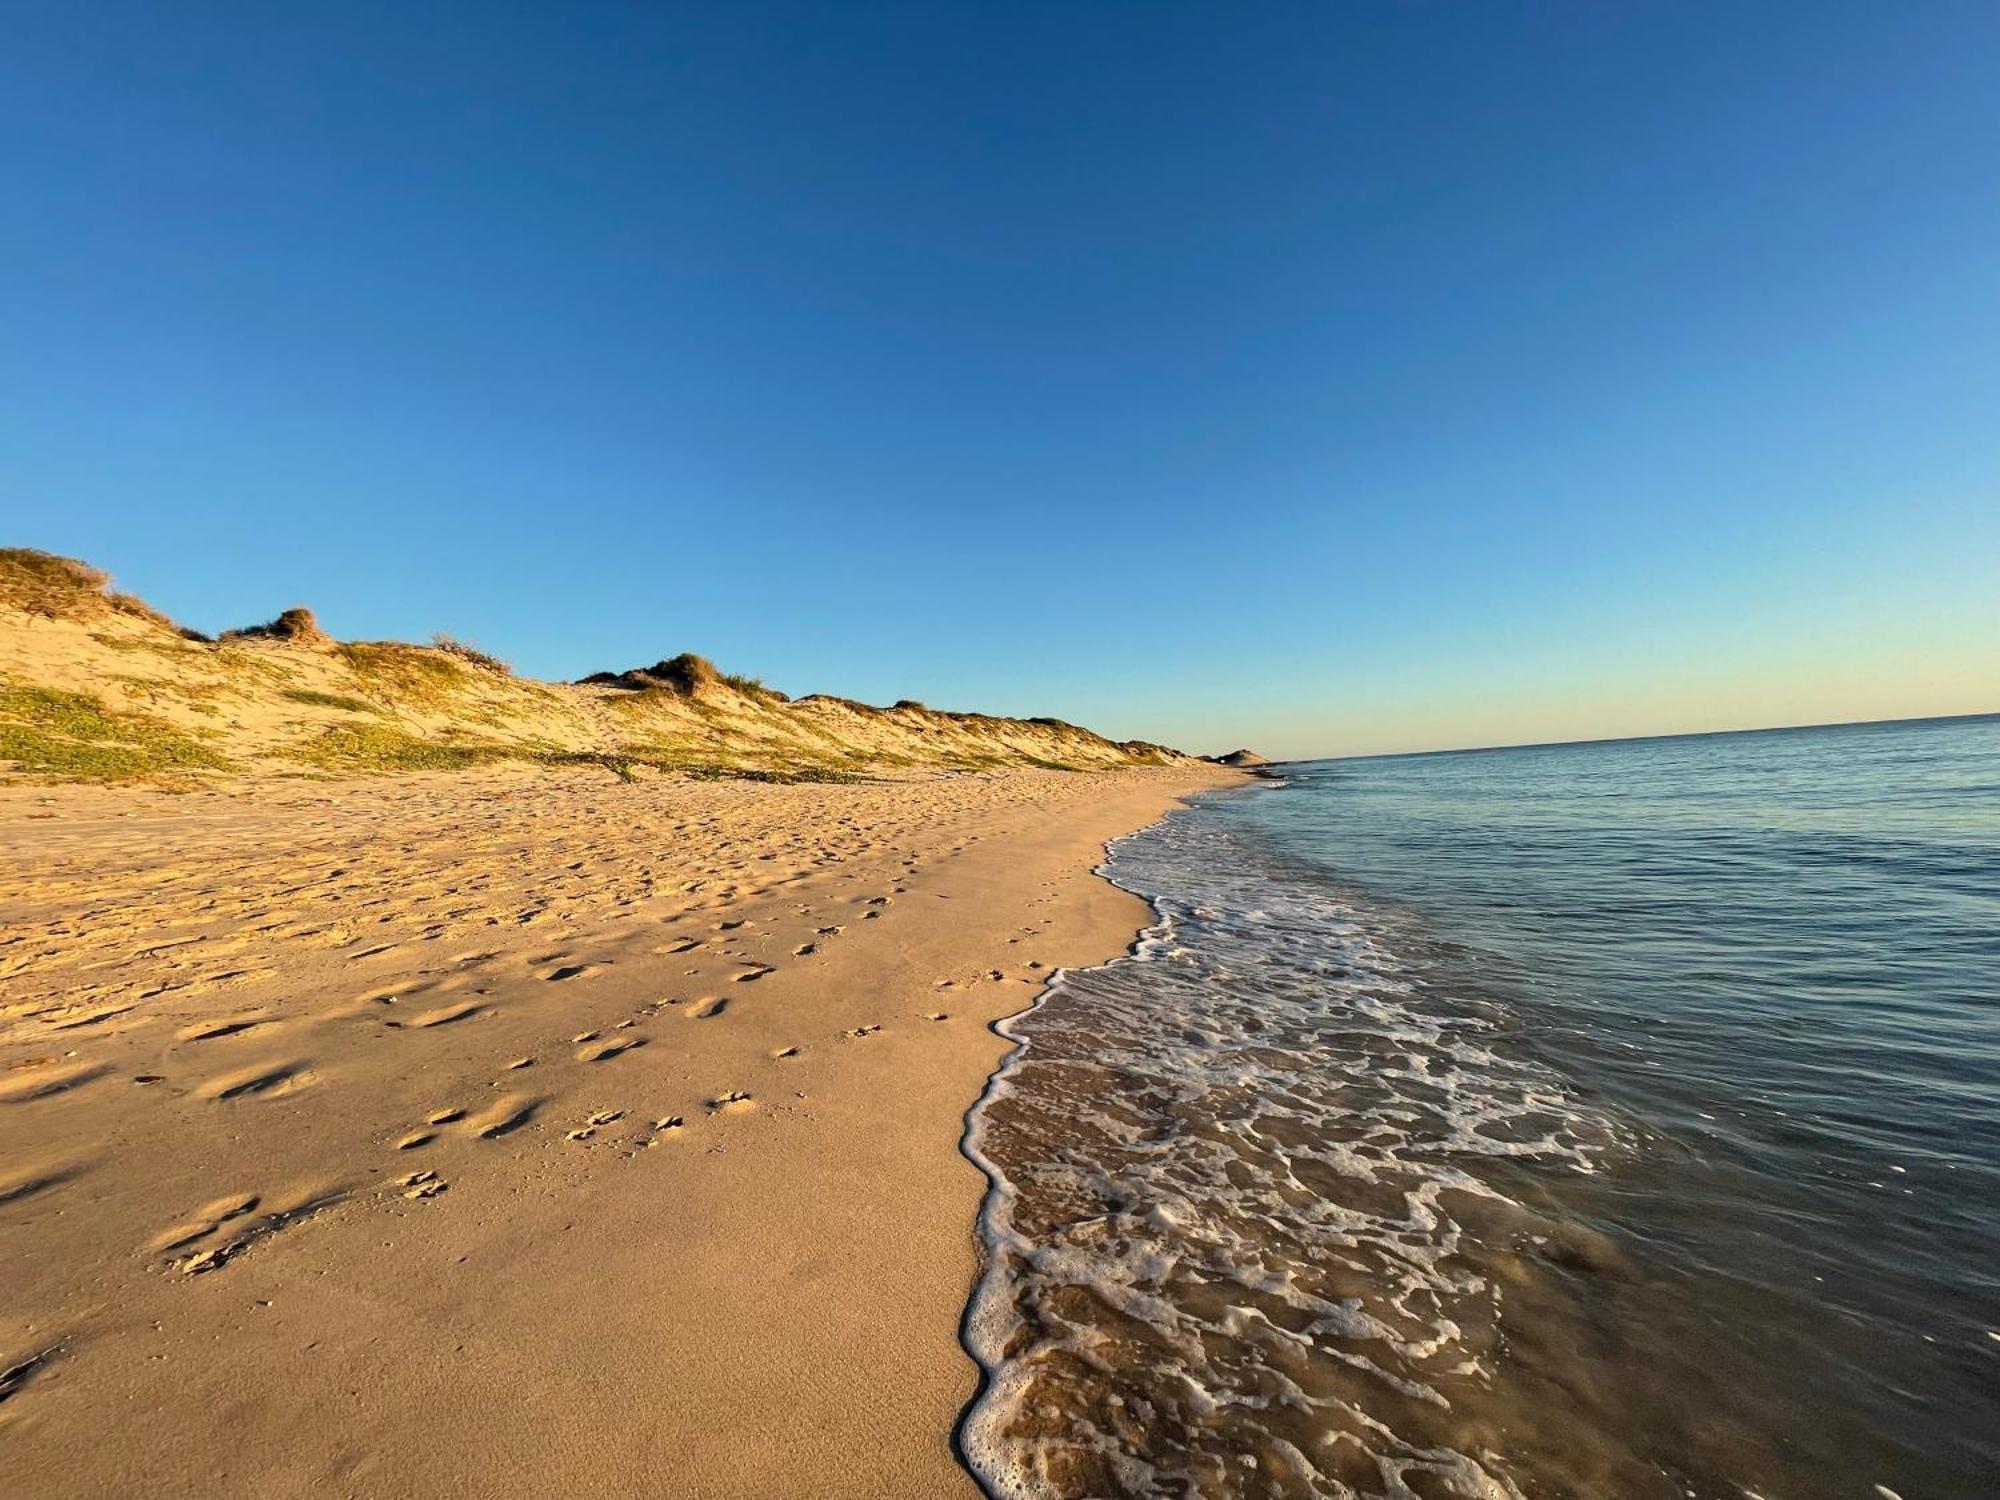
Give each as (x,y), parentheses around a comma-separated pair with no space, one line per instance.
(1600,1120)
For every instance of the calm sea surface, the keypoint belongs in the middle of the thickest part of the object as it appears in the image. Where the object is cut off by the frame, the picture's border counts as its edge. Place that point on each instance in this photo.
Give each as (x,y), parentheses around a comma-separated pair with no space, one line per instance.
(1615,1120)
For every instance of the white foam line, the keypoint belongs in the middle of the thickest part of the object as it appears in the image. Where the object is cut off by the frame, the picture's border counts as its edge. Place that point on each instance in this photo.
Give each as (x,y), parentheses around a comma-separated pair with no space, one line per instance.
(988,1285)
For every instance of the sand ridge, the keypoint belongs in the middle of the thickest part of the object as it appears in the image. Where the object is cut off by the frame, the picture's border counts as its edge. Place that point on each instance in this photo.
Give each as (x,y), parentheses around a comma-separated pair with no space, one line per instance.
(100,686)
(524,1132)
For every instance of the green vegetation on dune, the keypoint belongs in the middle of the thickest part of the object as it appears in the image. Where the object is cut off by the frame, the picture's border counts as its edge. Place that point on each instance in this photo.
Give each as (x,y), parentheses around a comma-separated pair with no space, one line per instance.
(44,584)
(783,777)
(377,747)
(73,736)
(330,700)
(408,673)
(61,588)
(285,691)
(618,765)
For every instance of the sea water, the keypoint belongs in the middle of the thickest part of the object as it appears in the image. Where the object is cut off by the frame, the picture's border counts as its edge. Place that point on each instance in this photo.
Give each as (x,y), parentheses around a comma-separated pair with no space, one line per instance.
(1607,1120)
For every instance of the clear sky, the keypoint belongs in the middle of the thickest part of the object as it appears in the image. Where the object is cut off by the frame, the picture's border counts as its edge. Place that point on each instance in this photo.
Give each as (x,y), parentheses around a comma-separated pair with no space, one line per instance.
(1328,377)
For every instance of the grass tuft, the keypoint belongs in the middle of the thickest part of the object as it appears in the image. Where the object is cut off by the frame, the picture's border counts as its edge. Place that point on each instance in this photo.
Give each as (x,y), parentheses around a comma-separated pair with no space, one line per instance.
(376,747)
(620,766)
(712,772)
(452,646)
(61,588)
(294,624)
(409,673)
(43,584)
(688,676)
(330,700)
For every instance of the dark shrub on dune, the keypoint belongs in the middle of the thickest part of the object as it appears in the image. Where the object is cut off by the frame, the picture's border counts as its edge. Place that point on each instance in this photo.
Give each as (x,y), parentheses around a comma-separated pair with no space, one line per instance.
(295,624)
(61,588)
(688,675)
(452,646)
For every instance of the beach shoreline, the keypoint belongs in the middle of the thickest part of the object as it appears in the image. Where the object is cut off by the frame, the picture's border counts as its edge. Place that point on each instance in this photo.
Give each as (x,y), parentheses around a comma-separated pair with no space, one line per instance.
(282,1218)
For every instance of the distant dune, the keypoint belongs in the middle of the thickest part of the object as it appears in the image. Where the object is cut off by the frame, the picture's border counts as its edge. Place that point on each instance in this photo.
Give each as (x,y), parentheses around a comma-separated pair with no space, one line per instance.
(1238,758)
(98,685)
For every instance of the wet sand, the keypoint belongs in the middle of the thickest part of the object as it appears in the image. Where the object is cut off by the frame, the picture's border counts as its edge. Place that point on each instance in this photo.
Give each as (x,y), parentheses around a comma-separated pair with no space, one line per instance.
(527,1133)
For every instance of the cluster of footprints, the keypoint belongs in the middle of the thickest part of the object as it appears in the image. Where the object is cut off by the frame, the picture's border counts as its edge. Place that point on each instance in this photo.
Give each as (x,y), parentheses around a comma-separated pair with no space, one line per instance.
(167,952)
(223,1229)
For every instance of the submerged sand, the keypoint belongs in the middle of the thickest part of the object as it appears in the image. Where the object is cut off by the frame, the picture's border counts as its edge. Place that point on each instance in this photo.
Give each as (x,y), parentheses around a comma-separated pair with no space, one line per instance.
(522,1134)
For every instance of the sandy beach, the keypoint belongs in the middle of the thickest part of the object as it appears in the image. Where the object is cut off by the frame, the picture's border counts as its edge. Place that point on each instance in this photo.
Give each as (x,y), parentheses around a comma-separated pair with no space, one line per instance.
(525,1133)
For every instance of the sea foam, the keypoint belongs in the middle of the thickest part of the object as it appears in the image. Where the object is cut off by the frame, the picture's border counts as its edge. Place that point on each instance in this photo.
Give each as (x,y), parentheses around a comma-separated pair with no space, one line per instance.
(1229,1174)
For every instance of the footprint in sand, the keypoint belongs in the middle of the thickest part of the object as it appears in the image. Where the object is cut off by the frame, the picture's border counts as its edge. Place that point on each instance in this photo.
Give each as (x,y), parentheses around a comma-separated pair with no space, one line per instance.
(595,1123)
(295,1208)
(20,1182)
(861,1031)
(444,1015)
(415,1139)
(605,1051)
(755,973)
(44,1079)
(205,1222)
(666,1128)
(94,1017)
(422,1185)
(504,1116)
(269,1080)
(805,950)
(17,1374)
(572,971)
(214,1030)
(704,1009)
(784,1052)
(938,1015)
(734,1102)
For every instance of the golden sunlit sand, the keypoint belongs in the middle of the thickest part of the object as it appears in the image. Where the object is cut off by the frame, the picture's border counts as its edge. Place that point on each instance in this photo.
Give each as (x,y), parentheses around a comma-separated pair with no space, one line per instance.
(513,1129)
(530,1133)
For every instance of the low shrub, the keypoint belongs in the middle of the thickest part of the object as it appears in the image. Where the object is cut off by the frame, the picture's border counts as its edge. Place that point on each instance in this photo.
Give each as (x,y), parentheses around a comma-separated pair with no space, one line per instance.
(452,646)
(330,700)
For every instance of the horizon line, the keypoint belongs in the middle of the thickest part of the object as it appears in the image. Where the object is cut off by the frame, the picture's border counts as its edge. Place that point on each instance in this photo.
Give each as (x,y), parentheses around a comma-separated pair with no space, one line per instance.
(1628,739)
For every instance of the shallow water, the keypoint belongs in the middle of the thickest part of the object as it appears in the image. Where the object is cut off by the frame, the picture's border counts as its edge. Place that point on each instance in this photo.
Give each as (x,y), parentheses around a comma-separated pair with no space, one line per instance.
(1596,1120)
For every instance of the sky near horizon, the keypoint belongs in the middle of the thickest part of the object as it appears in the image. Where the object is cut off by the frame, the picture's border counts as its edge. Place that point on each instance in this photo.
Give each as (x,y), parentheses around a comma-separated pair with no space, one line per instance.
(1333,378)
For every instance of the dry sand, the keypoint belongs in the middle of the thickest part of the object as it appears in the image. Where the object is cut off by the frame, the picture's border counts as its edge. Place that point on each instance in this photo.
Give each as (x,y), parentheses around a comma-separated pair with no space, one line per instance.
(522,1134)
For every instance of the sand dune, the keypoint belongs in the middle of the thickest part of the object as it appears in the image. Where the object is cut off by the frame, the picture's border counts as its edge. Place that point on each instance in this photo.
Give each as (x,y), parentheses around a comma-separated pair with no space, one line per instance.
(96,685)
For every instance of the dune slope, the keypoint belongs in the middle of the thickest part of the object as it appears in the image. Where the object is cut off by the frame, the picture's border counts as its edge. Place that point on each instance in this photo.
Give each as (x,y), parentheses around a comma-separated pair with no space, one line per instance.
(97,685)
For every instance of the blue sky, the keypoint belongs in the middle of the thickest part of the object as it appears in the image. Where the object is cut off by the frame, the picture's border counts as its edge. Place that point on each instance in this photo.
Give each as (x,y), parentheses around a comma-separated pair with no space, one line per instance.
(1329,378)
